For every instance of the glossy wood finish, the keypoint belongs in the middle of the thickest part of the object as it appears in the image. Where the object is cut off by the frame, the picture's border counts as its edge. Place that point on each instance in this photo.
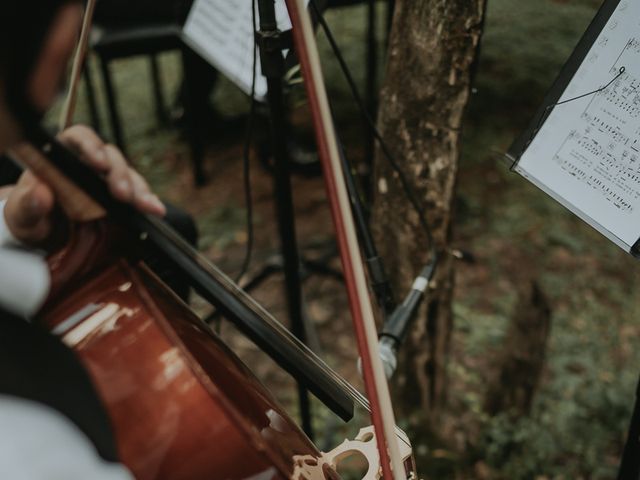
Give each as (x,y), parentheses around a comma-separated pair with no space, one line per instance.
(182,405)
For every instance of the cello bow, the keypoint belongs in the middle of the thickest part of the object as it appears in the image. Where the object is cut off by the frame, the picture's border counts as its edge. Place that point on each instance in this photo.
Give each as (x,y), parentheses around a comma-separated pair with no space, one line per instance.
(359,299)
(69,107)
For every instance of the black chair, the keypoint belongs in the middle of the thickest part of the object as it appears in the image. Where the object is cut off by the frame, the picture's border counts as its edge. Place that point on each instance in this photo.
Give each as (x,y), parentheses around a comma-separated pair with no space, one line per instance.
(111,43)
(127,41)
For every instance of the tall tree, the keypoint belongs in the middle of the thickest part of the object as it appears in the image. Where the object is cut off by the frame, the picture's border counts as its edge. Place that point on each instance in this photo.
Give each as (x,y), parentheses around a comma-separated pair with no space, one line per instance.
(432,48)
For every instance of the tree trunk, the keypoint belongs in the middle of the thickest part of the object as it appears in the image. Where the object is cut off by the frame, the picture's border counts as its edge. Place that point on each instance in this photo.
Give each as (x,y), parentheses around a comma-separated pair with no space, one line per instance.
(432,48)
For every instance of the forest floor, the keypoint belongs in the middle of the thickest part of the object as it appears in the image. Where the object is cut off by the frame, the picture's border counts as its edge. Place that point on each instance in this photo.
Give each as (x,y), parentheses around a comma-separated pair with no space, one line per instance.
(577,425)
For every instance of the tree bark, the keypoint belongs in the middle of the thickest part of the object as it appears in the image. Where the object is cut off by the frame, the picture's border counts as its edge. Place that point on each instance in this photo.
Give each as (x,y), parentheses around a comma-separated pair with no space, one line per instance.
(432,48)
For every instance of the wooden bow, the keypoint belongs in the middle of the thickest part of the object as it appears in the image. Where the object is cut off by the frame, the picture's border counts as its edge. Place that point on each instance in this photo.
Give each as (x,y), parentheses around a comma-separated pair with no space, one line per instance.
(69,106)
(359,299)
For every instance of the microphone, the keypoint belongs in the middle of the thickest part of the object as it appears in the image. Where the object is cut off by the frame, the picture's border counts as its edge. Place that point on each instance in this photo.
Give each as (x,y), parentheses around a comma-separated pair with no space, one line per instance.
(397,326)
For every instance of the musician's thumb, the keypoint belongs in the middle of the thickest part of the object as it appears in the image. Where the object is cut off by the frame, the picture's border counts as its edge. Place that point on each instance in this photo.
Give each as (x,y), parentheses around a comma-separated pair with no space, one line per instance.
(28,210)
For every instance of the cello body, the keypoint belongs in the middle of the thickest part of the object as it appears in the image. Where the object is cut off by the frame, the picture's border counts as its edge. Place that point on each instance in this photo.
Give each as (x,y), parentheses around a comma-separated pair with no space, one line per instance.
(182,405)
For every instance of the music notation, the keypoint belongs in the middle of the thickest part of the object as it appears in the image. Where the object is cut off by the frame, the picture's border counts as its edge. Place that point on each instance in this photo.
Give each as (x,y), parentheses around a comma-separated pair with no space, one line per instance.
(587,152)
(604,152)
(221,32)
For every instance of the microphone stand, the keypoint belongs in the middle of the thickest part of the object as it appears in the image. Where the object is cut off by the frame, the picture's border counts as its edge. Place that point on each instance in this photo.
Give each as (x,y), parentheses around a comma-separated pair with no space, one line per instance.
(377,274)
(271,42)
(397,326)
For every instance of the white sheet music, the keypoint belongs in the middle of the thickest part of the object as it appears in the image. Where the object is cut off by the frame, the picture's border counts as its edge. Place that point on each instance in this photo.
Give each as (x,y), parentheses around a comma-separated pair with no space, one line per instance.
(220,31)
(587,153)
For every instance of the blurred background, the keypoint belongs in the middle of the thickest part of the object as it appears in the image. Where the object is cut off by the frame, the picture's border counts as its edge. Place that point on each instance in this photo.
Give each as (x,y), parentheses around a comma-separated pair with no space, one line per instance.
(579,416)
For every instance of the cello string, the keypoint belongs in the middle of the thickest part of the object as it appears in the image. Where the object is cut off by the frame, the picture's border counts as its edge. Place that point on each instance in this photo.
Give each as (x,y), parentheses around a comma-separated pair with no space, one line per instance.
(246,159)
(68,110)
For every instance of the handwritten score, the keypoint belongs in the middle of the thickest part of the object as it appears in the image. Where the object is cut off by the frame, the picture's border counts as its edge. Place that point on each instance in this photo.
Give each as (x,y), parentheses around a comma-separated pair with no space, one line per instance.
(221,32)
(587,153)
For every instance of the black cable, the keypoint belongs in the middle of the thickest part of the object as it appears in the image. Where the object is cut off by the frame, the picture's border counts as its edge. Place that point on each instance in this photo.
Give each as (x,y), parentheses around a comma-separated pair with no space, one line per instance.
(547,111)
(246,160)
(410,194)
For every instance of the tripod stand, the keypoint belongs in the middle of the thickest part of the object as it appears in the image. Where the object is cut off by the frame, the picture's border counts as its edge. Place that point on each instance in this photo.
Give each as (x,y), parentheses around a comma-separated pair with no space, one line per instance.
(271,44)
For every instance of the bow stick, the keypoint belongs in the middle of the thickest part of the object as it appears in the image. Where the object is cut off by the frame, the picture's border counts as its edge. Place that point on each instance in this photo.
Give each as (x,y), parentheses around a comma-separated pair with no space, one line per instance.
(69,107)
(359,299)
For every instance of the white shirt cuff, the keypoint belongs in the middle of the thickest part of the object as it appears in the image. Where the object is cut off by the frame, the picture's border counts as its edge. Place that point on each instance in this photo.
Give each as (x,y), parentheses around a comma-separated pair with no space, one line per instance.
(24,275)
(38,443)
(6,237)
(24,281)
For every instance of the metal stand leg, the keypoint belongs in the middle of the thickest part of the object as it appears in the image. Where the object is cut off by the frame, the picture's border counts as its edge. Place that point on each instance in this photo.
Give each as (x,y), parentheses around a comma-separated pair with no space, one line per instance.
(273,68)
(158,96)
(91,98)
(190,108)
(116,125)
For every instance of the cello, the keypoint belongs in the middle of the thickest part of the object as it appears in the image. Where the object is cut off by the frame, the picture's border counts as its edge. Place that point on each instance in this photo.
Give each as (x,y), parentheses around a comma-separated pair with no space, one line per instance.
(182,405)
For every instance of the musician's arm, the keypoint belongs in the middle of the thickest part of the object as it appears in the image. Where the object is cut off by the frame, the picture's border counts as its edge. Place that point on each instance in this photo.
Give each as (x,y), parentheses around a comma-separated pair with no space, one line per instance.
(38,443)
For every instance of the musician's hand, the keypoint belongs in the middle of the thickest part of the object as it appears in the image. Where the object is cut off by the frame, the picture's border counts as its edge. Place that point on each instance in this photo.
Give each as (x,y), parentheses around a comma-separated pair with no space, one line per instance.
(30,203)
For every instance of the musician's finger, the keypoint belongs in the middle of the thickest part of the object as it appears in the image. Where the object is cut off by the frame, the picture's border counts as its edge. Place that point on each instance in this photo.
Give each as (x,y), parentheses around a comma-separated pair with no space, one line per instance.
(125,184)
(87,145)
(143,199)
(119,175)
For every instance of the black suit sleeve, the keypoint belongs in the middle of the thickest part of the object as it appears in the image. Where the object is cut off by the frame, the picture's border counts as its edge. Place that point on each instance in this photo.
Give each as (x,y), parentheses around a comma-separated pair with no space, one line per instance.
(9,171)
